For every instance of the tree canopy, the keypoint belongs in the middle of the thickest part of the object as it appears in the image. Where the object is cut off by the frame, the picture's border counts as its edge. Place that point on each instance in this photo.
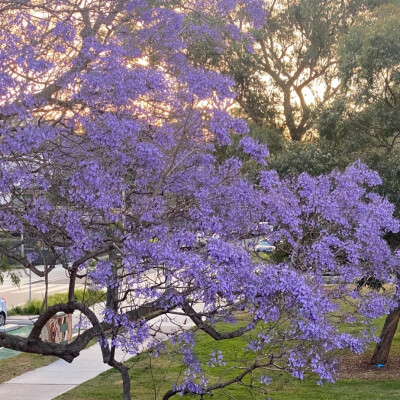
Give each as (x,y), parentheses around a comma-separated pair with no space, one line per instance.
(107,151)
(291,72)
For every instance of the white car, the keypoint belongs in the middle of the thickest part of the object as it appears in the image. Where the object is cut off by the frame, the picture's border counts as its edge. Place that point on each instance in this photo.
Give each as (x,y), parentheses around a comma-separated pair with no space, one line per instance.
(264,247)
(3,311)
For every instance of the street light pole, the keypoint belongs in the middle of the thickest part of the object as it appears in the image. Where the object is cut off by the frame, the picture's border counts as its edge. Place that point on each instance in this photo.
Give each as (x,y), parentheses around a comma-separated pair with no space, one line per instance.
(30,272)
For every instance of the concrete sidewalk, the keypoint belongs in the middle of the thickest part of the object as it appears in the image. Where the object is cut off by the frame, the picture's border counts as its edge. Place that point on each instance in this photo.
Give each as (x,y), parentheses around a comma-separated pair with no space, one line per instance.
(48,382)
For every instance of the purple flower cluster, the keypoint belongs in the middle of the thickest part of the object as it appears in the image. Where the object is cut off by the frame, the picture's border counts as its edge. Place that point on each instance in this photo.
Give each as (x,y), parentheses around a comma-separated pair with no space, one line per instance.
(107,158)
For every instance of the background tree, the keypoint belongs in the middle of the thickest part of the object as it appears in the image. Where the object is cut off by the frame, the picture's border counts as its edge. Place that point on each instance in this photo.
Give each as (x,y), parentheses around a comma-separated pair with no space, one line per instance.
(370,65)
(362,122)
(292,72)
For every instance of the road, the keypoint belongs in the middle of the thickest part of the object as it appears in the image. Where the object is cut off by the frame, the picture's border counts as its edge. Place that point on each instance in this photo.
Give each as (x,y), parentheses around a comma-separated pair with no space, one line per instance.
(17,295)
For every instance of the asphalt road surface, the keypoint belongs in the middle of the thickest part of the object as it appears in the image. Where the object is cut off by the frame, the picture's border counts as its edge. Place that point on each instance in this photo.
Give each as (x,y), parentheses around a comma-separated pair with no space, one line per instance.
(17,295)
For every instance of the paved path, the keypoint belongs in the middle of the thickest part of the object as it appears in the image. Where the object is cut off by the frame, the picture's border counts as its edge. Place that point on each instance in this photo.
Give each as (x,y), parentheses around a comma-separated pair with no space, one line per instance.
(48,382)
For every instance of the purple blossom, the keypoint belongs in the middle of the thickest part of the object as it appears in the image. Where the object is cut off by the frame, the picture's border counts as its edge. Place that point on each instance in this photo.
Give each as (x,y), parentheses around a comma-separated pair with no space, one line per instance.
(256,150)
(112,166)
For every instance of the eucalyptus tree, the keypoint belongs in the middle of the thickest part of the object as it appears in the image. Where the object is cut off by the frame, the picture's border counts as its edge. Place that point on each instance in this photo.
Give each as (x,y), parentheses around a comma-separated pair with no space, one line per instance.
(291,72)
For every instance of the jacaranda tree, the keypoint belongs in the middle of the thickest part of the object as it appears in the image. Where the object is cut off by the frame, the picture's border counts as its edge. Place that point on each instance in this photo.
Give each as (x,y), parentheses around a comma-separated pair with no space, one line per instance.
(107,159)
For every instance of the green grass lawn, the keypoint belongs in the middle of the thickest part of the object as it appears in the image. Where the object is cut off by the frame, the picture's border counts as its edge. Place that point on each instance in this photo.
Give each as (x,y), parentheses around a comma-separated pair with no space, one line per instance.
(343,390)
(21,363)
(149,382)
(108,387)
(152,377)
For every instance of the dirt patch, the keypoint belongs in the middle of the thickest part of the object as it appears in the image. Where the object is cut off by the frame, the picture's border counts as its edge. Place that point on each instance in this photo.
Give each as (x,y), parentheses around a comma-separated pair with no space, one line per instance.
(359,367)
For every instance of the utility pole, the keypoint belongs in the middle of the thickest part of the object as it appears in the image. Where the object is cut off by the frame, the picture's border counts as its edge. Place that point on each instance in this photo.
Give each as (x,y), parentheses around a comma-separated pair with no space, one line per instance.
(22,256)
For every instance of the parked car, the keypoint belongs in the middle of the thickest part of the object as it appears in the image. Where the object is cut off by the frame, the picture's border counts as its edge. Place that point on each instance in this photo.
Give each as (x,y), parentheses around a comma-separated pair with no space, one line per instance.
(264,247)
(3,311)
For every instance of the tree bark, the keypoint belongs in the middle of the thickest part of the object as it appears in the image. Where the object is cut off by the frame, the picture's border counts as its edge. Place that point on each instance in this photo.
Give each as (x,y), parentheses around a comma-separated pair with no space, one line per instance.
(126,380)
(382,348)
(296,131)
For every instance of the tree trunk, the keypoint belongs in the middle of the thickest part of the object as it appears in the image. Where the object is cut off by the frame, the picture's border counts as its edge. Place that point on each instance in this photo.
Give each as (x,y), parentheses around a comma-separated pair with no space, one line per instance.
(382,348)
(295,131)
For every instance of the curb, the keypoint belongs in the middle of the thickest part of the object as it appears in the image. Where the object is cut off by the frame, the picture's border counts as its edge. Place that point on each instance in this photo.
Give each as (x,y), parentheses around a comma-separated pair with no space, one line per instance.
(26,320)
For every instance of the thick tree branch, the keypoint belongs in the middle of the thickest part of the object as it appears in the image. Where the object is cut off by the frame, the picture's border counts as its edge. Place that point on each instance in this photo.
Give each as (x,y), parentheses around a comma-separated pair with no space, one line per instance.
(195,317)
